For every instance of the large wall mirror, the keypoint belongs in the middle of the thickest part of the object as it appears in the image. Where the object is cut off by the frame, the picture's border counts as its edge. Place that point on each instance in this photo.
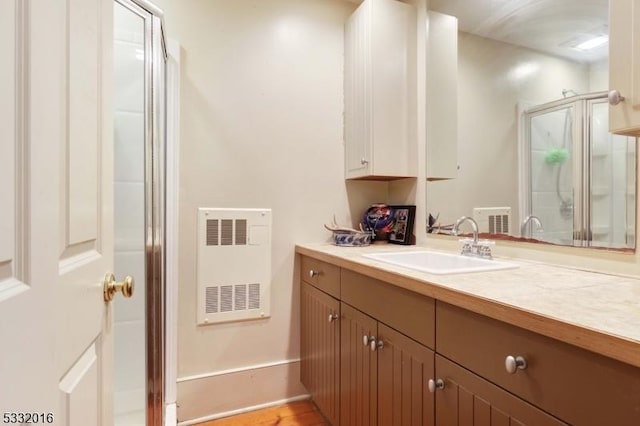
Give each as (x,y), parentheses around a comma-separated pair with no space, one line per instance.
(535,158)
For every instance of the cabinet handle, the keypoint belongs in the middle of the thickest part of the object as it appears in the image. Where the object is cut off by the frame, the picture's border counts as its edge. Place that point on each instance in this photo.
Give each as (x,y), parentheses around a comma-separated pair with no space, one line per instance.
(435,385)
(615,97)
(313,273)
(367,339)
(512,364)
(333,317)
(376,344)
(364,161)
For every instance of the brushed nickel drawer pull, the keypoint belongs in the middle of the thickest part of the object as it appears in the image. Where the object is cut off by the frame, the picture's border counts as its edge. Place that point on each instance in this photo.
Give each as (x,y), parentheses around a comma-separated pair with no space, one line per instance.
(376,344)
(435,385)
(313,273)
(333,317)
(367,339)
(512,364)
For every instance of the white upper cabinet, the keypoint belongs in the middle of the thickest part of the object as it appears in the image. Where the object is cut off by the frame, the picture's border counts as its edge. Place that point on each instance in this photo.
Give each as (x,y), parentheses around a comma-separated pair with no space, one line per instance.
(624,67)
(380,94)
(442,99)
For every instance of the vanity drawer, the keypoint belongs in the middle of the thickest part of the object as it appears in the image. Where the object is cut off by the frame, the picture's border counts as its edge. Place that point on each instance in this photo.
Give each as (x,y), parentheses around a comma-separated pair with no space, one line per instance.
(577,386)
(410,313)
(321,275)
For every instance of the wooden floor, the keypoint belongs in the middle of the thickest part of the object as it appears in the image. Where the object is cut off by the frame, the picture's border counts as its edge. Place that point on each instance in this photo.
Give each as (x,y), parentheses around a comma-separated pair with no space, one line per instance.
(301,413)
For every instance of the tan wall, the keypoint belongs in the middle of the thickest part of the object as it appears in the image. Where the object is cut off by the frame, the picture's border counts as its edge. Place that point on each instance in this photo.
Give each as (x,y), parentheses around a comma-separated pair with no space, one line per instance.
(261,126)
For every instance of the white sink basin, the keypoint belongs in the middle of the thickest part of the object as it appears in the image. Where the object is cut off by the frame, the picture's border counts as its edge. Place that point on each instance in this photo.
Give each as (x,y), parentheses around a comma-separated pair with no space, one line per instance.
(440,263)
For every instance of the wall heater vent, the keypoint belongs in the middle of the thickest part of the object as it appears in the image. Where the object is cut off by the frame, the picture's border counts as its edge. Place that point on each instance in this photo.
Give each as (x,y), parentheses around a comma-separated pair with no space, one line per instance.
(227,298)
(234,264)
(494,220)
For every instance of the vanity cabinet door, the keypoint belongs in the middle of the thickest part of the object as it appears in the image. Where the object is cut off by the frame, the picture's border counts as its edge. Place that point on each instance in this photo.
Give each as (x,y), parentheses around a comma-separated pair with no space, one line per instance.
(358,368)
(467,399)
(379,75)
(624,65)
(404,369)
(320,349)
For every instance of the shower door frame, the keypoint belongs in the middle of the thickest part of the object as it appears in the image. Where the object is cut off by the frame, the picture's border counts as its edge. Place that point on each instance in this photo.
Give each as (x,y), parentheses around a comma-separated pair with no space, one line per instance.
(155,60)
(581,145)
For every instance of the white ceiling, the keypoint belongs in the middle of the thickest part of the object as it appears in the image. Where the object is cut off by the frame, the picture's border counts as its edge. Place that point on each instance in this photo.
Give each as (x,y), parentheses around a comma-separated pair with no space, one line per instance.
(546,25)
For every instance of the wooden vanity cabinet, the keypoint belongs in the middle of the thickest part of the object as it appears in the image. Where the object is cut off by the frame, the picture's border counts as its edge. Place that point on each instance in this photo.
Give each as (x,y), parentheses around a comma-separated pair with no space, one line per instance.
(373,364)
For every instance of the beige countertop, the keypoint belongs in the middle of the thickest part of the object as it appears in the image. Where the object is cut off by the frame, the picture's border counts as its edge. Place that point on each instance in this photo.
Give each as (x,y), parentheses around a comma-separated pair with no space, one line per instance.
(594,311)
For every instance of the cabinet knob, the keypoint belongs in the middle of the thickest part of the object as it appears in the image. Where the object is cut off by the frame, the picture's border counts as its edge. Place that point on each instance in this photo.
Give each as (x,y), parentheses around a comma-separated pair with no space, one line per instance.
(376,344)
(513,364)
(333,317)
(435,385)
(364,161)
(615,97)
(313,273)
(367,339)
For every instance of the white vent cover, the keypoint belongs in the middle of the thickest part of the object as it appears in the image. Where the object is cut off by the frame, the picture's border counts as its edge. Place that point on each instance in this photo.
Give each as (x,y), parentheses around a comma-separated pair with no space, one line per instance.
(494,220)
(234,264)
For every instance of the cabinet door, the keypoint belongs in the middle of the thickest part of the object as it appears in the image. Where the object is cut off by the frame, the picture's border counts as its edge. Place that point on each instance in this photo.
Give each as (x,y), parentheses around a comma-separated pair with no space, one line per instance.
(320,349)
(467,399)
(358,369)
(624,65)
(404,368)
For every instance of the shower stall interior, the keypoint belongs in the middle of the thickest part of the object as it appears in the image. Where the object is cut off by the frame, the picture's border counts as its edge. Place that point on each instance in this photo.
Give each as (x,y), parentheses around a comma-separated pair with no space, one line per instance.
(139,150)
(581,179)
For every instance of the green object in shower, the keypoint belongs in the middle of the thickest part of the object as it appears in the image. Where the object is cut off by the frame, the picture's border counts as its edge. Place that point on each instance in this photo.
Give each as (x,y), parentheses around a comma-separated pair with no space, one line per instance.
(556,155)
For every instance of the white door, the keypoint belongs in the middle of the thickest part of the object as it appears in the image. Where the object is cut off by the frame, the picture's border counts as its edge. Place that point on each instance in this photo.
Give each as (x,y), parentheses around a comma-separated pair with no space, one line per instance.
(56,215)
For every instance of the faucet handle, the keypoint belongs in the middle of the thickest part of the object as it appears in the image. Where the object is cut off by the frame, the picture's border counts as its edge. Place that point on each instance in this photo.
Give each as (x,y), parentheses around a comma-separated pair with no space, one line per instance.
(466,248)
(484,251)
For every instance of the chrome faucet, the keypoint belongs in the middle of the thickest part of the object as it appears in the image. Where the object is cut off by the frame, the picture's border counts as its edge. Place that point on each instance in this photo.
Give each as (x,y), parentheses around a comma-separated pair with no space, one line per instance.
(474,248)
(533,219)
(474,226)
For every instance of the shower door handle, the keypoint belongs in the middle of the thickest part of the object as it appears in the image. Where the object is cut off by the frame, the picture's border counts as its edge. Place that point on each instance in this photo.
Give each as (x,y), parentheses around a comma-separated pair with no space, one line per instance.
(615,97)
(111,287)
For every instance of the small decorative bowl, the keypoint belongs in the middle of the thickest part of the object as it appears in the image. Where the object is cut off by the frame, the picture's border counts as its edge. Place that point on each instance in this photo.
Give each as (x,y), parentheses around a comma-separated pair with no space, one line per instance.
(351,239)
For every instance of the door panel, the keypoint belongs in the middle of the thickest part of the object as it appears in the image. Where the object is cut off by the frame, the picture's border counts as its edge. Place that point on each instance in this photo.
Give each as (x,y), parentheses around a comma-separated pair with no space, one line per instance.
(79,387)
(358,369)
(320,350)
(83,64)
(404,368)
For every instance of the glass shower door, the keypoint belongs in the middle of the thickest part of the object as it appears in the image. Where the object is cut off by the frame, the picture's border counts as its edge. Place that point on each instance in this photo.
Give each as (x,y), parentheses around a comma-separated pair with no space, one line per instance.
(552,173)
(613,174)
(129,191)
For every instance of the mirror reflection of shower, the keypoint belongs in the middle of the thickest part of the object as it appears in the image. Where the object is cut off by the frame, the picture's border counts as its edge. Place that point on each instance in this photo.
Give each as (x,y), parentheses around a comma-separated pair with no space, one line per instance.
(581,179)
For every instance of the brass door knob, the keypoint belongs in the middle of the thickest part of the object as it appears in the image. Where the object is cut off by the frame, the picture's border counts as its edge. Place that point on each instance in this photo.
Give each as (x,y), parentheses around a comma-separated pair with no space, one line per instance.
(111,287)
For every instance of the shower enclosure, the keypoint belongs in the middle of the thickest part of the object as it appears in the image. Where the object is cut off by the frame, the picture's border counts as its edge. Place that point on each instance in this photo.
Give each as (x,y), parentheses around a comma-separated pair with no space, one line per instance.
(139,149)
(580,180)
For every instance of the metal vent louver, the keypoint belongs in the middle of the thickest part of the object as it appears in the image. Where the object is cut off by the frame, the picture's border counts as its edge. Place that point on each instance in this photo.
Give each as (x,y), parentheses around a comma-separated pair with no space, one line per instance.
(212,232)
(499,224)
(228,298)
(212,300)
(241,232)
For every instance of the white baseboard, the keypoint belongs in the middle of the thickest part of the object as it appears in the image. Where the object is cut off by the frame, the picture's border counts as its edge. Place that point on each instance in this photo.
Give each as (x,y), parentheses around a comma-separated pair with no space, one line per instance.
(170,415)
(243,410)
(221,394)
